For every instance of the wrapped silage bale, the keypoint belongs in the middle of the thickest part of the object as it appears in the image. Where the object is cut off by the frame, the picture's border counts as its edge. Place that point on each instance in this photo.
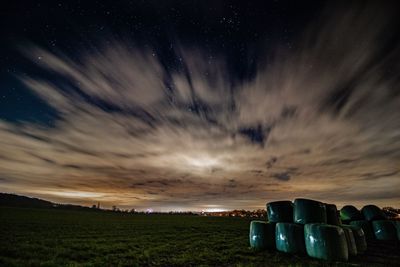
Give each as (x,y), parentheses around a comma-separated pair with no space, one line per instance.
(332,214)
(290,238)
(351,242)
(372,213)
(324,241)
(309,211)
(262,235)
(280,211)
(366,226)
(350,213)
(359,237)
(384,230)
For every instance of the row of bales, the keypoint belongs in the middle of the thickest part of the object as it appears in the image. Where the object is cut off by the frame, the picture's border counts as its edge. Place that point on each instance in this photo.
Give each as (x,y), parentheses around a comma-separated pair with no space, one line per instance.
(311,227)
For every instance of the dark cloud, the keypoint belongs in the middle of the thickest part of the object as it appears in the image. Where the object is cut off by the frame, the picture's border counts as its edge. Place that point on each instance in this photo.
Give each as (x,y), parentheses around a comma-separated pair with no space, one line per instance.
(231,184)
(256,135)
(337,162)
(271,162)
(72,166)
(378,175)
(284,176)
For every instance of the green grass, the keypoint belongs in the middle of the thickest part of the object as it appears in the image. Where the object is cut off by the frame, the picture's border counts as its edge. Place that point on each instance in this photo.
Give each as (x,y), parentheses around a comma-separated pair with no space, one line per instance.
(40,237)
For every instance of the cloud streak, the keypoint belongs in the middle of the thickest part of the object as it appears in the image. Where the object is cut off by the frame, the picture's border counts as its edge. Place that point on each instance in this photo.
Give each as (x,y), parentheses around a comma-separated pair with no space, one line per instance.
(319,120)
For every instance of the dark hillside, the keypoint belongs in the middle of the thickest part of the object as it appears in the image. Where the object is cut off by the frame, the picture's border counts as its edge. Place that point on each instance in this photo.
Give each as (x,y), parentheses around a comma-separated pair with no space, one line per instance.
(12,200)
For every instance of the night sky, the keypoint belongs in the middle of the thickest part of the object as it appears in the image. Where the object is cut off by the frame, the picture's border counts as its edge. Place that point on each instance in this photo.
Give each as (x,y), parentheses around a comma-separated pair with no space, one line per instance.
(200,105)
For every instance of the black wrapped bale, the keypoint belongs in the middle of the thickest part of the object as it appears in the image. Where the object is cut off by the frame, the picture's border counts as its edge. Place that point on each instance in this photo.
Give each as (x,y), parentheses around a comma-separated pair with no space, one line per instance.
(280,211)
(290,238)
(332,214)
(262,235)
(384,230)
(359,237)
(324,241)
(366,226)
(351,242)
(309,211)
(373,213)
(350,213)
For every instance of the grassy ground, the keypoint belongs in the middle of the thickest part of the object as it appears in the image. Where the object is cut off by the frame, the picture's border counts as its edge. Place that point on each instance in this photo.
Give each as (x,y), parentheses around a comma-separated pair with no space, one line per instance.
(40,237)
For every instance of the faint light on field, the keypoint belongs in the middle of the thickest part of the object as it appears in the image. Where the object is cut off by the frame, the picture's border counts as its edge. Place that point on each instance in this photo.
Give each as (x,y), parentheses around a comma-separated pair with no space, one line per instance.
(214,208)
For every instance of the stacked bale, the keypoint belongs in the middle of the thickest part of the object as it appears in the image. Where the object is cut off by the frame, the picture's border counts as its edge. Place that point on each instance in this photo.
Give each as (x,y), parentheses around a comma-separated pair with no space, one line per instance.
(326,242)
(351,243)
(309,211)
(372,213)
(322,241)
(262,235)
(290,238)
(366,226)
(359,237)
(384,230)
(280,211)
(312,227)
(350,213)
(332,214)
(366,220)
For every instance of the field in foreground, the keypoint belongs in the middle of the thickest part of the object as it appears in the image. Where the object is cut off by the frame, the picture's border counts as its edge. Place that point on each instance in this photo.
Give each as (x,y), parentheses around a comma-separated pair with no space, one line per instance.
(44,237)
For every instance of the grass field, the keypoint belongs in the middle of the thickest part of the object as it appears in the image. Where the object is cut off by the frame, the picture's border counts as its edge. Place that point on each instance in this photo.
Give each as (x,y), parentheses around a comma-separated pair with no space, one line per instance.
(41,237)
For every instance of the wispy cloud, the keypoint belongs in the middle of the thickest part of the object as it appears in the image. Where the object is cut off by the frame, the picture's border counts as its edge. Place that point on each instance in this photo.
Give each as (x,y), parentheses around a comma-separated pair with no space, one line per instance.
(314,121)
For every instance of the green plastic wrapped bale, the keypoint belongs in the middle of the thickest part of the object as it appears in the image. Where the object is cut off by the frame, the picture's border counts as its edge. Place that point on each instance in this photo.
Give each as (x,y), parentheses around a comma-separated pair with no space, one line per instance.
(290,238)
(351,242)
(280,211)
(326,242)
(359,238)
(309,211)
(366,226)
(384,230)
(332,214)
(262,235)
(373,213)
(350,213)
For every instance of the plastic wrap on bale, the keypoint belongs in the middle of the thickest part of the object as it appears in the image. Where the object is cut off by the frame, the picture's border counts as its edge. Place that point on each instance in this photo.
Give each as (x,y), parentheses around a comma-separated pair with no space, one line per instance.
(326,242)
(359,237)
(309,211)
(332,214)
(350,213)
(290,238)
(373,213)
(351,242)
(366,227)
(384,230)
(262,235)
(280,211)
